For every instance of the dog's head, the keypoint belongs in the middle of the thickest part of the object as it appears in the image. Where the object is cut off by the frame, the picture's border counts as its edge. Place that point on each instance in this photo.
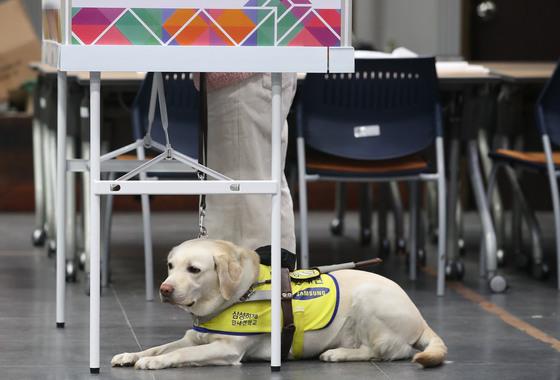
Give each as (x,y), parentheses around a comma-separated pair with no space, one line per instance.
(205,275)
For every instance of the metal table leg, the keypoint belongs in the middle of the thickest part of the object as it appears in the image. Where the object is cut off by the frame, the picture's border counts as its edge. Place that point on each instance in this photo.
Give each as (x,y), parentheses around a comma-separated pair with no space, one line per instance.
(497,283)
(276,171)
(95,209)
(147,225)
(61,200)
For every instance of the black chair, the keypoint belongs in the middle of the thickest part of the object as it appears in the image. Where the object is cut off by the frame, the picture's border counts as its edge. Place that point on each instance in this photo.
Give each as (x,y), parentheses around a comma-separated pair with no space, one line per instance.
(546,162)
(375,125)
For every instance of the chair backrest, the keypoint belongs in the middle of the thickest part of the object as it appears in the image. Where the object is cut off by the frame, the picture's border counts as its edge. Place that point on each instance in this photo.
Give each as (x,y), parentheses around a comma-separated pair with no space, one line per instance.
(387,109)
(183,111)
(548,108)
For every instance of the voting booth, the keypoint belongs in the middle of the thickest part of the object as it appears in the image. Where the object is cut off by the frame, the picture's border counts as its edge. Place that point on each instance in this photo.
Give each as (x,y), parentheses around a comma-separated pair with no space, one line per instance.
(96,36)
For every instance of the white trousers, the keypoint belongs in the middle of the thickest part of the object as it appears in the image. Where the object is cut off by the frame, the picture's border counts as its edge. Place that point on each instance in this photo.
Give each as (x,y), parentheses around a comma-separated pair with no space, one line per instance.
(239,146)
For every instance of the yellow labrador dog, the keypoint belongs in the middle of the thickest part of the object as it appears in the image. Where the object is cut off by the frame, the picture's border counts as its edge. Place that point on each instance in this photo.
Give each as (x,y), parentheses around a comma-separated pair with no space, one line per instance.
(376,320)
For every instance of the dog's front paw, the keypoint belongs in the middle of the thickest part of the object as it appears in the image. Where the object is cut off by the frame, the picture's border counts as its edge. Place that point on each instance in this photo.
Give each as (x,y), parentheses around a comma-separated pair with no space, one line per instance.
(124,360)
(331,356)
(150,362)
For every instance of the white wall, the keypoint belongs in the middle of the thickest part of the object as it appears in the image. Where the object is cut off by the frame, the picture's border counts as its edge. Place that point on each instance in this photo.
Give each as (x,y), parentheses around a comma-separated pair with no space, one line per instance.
(424,26)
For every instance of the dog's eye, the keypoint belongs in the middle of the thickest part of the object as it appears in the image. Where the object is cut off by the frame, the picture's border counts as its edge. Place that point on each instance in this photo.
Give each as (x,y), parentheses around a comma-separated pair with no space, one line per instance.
(169,266)
(192,269)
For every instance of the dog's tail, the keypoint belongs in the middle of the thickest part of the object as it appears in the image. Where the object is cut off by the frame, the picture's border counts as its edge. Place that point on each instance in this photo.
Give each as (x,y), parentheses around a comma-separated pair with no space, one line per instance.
(433,349)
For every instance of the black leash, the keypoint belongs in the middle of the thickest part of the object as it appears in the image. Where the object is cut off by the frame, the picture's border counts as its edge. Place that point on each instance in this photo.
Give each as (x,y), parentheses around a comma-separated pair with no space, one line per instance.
(202,151)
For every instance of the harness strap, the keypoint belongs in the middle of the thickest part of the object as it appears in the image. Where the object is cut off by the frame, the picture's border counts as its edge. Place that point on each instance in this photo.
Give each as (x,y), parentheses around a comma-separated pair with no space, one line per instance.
(288,328)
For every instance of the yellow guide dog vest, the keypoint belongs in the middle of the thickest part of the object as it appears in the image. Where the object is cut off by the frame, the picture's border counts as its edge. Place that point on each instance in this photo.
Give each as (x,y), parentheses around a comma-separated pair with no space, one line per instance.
(314,303)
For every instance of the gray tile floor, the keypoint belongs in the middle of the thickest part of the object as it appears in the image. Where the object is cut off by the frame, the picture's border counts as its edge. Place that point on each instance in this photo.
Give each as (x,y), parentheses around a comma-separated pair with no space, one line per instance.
(481,345)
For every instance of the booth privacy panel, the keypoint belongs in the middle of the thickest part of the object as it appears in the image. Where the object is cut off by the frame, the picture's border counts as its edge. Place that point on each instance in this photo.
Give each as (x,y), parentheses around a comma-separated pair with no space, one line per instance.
(201,22)
(198,35)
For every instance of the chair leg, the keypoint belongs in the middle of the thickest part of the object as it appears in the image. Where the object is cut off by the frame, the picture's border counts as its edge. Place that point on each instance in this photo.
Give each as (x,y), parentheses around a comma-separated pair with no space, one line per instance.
(365,213)
(413,233)
(555,198)
(384,244)
(147,226)
(442,218)
(337,224)
(86,207)
(453,261)
(489,195)
(556,202)
(304,255)
(71,262)
(431,210)
(539,268)
(400,241)
(39,233)
(51,183)
(495,201)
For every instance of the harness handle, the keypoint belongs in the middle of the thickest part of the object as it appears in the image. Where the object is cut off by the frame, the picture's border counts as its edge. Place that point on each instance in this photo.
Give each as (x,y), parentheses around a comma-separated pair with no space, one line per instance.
(367,263)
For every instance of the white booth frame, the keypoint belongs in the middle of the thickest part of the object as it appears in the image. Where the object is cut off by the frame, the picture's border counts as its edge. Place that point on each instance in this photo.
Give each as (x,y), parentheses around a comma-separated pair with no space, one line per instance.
(66,57)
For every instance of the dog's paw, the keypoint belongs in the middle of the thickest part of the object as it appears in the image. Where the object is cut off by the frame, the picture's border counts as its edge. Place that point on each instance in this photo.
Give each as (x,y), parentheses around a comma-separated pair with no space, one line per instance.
(331,356)
(124,360)
(150,362)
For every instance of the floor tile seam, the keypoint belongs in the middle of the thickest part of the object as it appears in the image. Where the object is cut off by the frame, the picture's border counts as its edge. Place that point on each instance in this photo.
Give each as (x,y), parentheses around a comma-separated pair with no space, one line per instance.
(380,370)
(125,315)
(127,320)
(507,317)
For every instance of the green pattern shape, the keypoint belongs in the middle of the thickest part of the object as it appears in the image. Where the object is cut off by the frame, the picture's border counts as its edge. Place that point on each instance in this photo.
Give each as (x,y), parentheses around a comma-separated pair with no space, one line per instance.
(280,8)
(286,23)
(265,34)
(75,11)
(153,18)
(75,41)
(135,32)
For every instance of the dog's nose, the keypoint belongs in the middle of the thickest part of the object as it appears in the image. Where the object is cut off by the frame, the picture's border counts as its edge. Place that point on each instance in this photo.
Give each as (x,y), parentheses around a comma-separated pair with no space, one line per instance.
(166,290)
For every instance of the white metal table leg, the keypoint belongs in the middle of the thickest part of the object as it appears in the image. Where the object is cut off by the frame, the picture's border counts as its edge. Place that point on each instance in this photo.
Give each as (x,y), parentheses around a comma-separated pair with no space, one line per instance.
(276,172)
(61,200)
(95,210)
(147,225)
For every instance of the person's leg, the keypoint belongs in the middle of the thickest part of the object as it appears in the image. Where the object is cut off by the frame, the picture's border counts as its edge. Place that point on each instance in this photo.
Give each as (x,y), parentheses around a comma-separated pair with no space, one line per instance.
(239,145)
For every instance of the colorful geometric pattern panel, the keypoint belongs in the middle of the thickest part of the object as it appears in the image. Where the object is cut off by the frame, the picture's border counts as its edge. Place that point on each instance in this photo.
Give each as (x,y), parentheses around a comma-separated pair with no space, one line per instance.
(256,23)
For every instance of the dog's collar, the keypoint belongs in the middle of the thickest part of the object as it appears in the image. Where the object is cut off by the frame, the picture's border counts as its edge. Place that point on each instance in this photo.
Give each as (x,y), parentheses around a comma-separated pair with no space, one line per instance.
(256,295)
(250,295)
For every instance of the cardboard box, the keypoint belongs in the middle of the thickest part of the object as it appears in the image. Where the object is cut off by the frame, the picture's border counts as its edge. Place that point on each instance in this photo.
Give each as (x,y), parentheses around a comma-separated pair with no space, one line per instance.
(19,45)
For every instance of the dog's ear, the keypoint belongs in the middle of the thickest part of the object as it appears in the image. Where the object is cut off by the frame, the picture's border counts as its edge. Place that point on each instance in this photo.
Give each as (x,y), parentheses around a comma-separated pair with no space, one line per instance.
(228,267)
